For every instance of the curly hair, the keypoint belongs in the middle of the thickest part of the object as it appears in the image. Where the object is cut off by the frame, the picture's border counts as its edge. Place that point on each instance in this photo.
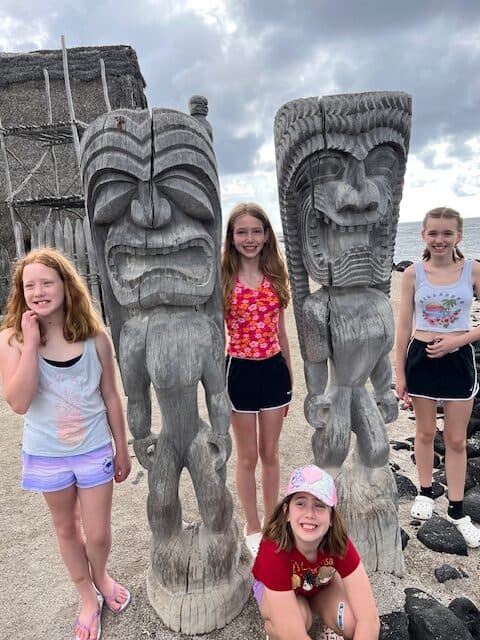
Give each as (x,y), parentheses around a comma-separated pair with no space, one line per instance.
(278,530)
(272,263)
(81,320)
(448,214)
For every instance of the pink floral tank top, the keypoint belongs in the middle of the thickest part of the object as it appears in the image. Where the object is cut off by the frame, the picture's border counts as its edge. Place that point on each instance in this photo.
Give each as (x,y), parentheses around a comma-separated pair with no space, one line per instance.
(252,321)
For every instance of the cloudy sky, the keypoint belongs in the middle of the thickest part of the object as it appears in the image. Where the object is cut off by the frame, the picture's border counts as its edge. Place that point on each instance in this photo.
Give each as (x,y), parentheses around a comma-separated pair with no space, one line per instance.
(251,56)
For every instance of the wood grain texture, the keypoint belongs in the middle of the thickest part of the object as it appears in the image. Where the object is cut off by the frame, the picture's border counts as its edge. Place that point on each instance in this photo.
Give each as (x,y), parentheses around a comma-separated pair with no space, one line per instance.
(153,204)
(340,167)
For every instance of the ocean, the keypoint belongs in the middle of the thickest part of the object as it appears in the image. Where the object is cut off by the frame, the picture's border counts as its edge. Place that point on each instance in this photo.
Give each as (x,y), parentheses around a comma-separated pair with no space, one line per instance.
(409,244)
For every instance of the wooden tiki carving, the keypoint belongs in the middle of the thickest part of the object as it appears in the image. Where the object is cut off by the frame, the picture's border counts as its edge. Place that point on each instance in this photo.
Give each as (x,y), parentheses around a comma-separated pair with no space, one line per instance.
(340,166)
(153,203)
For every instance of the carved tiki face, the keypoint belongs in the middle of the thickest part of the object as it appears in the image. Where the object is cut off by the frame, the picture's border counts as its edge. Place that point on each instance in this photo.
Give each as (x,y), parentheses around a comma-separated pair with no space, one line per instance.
(341,161)
(152,198)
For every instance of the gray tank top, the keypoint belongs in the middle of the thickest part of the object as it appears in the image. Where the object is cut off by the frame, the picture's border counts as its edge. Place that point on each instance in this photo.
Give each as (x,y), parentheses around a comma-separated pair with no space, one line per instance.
(67,415)
(443,308)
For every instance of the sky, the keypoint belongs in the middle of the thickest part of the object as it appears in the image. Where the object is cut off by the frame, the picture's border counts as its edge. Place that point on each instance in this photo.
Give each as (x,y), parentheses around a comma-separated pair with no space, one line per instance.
(249,57)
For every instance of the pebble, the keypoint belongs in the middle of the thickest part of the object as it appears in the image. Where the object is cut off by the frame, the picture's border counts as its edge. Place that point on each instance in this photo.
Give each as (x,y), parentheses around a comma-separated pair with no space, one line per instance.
(447,572)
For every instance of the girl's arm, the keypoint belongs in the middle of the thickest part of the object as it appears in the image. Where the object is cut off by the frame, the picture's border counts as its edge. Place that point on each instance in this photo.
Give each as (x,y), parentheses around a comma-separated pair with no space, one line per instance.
(19,366)
(360,597)
(447,342)
(283,340)
(282,615)
(113,403)
(404,329)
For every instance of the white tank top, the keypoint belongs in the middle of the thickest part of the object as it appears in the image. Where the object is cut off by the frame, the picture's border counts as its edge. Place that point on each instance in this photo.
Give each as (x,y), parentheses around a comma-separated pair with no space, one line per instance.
(443,308)
(67,415)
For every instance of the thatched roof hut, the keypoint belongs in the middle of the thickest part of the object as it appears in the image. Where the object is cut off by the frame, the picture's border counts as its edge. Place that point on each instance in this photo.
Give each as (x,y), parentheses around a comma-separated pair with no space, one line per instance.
(23,101)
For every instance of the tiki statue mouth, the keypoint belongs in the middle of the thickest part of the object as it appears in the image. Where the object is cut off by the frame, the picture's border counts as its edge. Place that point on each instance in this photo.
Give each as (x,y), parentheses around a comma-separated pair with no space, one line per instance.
(189,261)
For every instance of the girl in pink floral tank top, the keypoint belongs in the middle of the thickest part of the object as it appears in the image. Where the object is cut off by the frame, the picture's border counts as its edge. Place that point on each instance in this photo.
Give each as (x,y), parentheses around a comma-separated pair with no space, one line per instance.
(252,321)
(258,372)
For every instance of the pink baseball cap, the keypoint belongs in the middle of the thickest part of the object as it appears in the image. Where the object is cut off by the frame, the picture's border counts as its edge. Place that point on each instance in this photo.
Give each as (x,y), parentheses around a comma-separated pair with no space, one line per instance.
(315,481)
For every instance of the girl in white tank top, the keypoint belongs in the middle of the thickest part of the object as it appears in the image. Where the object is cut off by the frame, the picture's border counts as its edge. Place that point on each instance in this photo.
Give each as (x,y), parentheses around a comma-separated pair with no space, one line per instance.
(435,359)
(57,368)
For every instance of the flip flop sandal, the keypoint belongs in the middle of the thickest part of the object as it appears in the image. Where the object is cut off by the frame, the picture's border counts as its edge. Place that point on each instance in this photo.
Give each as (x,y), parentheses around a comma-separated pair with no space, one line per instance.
(422,508)
(111,599)
(469,532)
(96,614)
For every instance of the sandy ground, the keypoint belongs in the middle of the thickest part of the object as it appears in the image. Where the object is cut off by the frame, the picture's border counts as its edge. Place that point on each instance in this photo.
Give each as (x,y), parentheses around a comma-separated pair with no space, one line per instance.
(38,599)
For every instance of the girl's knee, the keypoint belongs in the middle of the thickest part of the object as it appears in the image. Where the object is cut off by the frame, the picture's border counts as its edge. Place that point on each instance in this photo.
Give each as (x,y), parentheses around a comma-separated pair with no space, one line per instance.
(99,537)
(247,462)
(425,435)
(67,528)
(455,444)
(269,456)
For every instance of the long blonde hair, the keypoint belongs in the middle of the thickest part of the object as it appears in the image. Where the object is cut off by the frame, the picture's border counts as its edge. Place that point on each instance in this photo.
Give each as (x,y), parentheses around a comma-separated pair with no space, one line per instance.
(278,530)
(449,214)
(271,264)
(81,320)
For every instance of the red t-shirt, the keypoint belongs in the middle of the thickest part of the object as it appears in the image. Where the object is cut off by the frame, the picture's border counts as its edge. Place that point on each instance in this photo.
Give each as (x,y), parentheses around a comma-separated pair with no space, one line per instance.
(287,570)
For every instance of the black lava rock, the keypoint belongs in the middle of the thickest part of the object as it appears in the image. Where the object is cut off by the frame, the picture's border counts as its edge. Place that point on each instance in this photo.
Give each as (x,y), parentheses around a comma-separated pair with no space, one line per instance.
(430,620)
(468,613)
(438,443)
(440,535)
(405,538)
(405,487)
(437,489)
(394,626)
(447,572)
(398,445)
(473,466)
(471,504)
(439,476)
(473,450)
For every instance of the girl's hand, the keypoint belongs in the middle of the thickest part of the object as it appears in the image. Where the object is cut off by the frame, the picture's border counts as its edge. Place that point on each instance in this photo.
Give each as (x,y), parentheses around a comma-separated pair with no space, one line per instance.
(122,465)
(401,389)
(439,347)
(30,329)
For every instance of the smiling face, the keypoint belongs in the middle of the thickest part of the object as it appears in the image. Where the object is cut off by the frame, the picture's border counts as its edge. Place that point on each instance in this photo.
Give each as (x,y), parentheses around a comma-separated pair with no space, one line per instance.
(43,289)
(249,236)
(309,519)
(441,235)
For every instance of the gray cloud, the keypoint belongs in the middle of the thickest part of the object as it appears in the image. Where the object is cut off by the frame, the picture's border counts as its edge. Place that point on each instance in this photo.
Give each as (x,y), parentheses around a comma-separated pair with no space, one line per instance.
(283,50)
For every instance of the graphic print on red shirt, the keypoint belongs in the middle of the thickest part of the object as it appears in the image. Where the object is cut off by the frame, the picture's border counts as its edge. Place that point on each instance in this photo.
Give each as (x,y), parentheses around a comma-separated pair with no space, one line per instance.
(290,570)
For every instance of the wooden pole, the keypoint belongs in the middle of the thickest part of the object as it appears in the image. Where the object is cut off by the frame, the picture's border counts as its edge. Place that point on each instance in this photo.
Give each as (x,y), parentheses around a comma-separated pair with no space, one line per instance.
(8,182)
(105,85)
(50,121)
(76,139)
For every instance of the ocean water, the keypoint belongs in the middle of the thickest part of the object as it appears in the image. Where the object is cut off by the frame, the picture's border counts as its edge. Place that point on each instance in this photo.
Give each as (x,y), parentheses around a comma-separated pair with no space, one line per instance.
(409,244)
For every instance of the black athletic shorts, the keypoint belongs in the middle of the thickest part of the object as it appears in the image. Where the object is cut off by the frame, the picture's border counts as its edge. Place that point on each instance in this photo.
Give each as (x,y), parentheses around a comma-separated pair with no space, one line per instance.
(256,385)
(452,377)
